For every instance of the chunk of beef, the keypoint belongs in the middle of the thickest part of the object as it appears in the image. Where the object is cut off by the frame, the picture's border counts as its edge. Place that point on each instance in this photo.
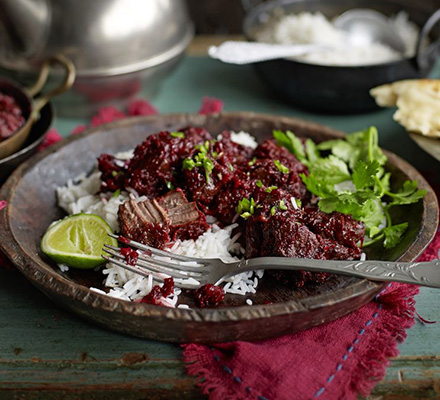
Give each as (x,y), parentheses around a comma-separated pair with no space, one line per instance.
(144,222)
(158,221)
(337,226)
(156,163)
(238,155)
(112,172)
(186,221)
(284,235)
(203,186)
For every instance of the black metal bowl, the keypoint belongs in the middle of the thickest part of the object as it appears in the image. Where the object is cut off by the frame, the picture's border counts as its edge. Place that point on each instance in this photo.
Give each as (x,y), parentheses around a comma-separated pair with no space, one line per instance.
(344,89)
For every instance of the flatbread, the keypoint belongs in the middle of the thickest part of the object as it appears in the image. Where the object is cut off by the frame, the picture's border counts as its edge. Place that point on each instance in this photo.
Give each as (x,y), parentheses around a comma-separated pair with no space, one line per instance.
(417,101)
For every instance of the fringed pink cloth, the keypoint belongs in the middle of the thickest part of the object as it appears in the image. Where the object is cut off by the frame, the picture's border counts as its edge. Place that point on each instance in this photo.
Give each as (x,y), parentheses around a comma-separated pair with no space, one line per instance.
(336,361)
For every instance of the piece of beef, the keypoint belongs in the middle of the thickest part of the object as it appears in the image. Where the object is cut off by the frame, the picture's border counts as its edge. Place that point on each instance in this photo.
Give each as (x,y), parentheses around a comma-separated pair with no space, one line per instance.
(284,235)
(341,227)
(158,221)
(145,222)
(186,221)
(156,163)
(203,186)
(238,154)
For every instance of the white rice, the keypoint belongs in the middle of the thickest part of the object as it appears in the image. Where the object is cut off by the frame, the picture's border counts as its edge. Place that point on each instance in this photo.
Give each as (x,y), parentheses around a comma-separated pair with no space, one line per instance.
(308,27)
(244,138)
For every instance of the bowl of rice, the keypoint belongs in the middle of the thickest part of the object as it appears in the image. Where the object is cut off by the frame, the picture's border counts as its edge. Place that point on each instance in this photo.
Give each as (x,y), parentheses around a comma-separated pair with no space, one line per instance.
(339,80)
(61,179)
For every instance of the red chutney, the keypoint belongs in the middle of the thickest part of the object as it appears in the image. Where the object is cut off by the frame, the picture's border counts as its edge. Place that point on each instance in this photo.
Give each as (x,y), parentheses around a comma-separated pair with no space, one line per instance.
(209,295)
(158,292)
(217,175)
(11,118)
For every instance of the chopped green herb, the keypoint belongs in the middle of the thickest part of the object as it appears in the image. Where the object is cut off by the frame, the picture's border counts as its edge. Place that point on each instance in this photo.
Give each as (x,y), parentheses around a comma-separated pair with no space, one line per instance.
(270,188)
(116,193)
(246,207)
(208,165)
(273,210)
(252,162)
(282,168)
(231,167)
(259,183)
(291,142)
(283,205)
(178,135)
(188,163)
(169,185)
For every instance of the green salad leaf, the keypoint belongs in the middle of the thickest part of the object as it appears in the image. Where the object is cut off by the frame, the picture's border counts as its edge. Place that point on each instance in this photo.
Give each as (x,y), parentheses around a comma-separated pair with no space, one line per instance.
(348,176)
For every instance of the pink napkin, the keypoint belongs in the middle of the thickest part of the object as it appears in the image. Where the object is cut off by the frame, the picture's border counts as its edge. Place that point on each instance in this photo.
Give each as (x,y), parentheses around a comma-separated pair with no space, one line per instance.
(338,360)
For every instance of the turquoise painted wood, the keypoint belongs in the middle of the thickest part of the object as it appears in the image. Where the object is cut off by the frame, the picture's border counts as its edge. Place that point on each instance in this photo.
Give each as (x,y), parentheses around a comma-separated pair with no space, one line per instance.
(48,353)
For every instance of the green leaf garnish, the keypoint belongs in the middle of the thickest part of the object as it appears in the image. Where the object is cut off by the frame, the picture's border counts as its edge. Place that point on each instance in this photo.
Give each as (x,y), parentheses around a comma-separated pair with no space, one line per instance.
(283,205)
(188,163)
(178,135)
(246,207)
(282,168)
(252,162)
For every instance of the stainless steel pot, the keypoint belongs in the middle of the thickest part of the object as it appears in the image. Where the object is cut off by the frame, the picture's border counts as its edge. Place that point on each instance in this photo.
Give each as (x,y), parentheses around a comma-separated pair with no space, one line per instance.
(116,45)
(343,89)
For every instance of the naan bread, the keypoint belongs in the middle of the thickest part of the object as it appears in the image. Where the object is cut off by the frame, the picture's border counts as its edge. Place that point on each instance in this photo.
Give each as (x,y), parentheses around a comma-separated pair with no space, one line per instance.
(417,101)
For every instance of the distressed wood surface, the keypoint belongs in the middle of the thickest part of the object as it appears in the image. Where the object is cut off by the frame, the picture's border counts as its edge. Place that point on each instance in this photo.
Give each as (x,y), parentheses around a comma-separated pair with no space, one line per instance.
(46,353)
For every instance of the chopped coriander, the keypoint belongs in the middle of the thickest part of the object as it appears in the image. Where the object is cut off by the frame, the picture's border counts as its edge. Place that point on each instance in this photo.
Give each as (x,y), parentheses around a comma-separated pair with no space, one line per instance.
(188,163)
(246,207)
(208,165)
(252,162)
(291,142)
(282,168)
(270,188)
(169,185)
(116,193)
(231,167)
(273,210)
(259,183)
(283,205)
(178,135)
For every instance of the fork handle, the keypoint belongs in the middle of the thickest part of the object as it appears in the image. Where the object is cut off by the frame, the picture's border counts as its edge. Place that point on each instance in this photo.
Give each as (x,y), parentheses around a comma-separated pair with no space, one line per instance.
(418,273)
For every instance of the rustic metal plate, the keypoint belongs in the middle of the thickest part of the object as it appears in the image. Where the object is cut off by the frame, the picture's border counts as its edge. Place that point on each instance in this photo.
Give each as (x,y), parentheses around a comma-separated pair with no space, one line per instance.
(277,309)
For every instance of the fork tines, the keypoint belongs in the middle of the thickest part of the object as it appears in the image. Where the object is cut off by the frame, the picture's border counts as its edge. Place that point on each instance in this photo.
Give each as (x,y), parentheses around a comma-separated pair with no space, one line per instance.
(152,261)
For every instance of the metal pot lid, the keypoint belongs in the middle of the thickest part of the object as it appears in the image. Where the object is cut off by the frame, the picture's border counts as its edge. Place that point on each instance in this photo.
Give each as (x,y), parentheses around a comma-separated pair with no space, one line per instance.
(101,37)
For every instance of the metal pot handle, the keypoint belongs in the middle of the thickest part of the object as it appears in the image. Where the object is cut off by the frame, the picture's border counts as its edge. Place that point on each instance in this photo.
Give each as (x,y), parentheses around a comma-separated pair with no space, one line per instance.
(425,57)
(69,78)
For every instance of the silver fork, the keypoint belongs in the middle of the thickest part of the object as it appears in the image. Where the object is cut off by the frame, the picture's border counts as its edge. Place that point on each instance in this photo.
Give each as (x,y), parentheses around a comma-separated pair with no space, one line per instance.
(215,271)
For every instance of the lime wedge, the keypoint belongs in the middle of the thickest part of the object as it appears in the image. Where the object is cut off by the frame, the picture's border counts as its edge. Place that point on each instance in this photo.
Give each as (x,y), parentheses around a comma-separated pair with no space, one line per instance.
(77,241)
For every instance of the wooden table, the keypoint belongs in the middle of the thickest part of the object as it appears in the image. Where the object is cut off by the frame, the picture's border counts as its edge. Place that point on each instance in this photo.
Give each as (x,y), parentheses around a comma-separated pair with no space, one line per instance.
(47,353)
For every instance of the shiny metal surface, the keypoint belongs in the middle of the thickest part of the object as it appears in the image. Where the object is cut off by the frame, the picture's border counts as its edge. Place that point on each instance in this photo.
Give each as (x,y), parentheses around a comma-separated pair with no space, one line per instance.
(116,45)
(369,26)
(102,37)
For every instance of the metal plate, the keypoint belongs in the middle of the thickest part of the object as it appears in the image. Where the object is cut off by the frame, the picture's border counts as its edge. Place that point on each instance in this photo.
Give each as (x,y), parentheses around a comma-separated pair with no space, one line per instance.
(277,309)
